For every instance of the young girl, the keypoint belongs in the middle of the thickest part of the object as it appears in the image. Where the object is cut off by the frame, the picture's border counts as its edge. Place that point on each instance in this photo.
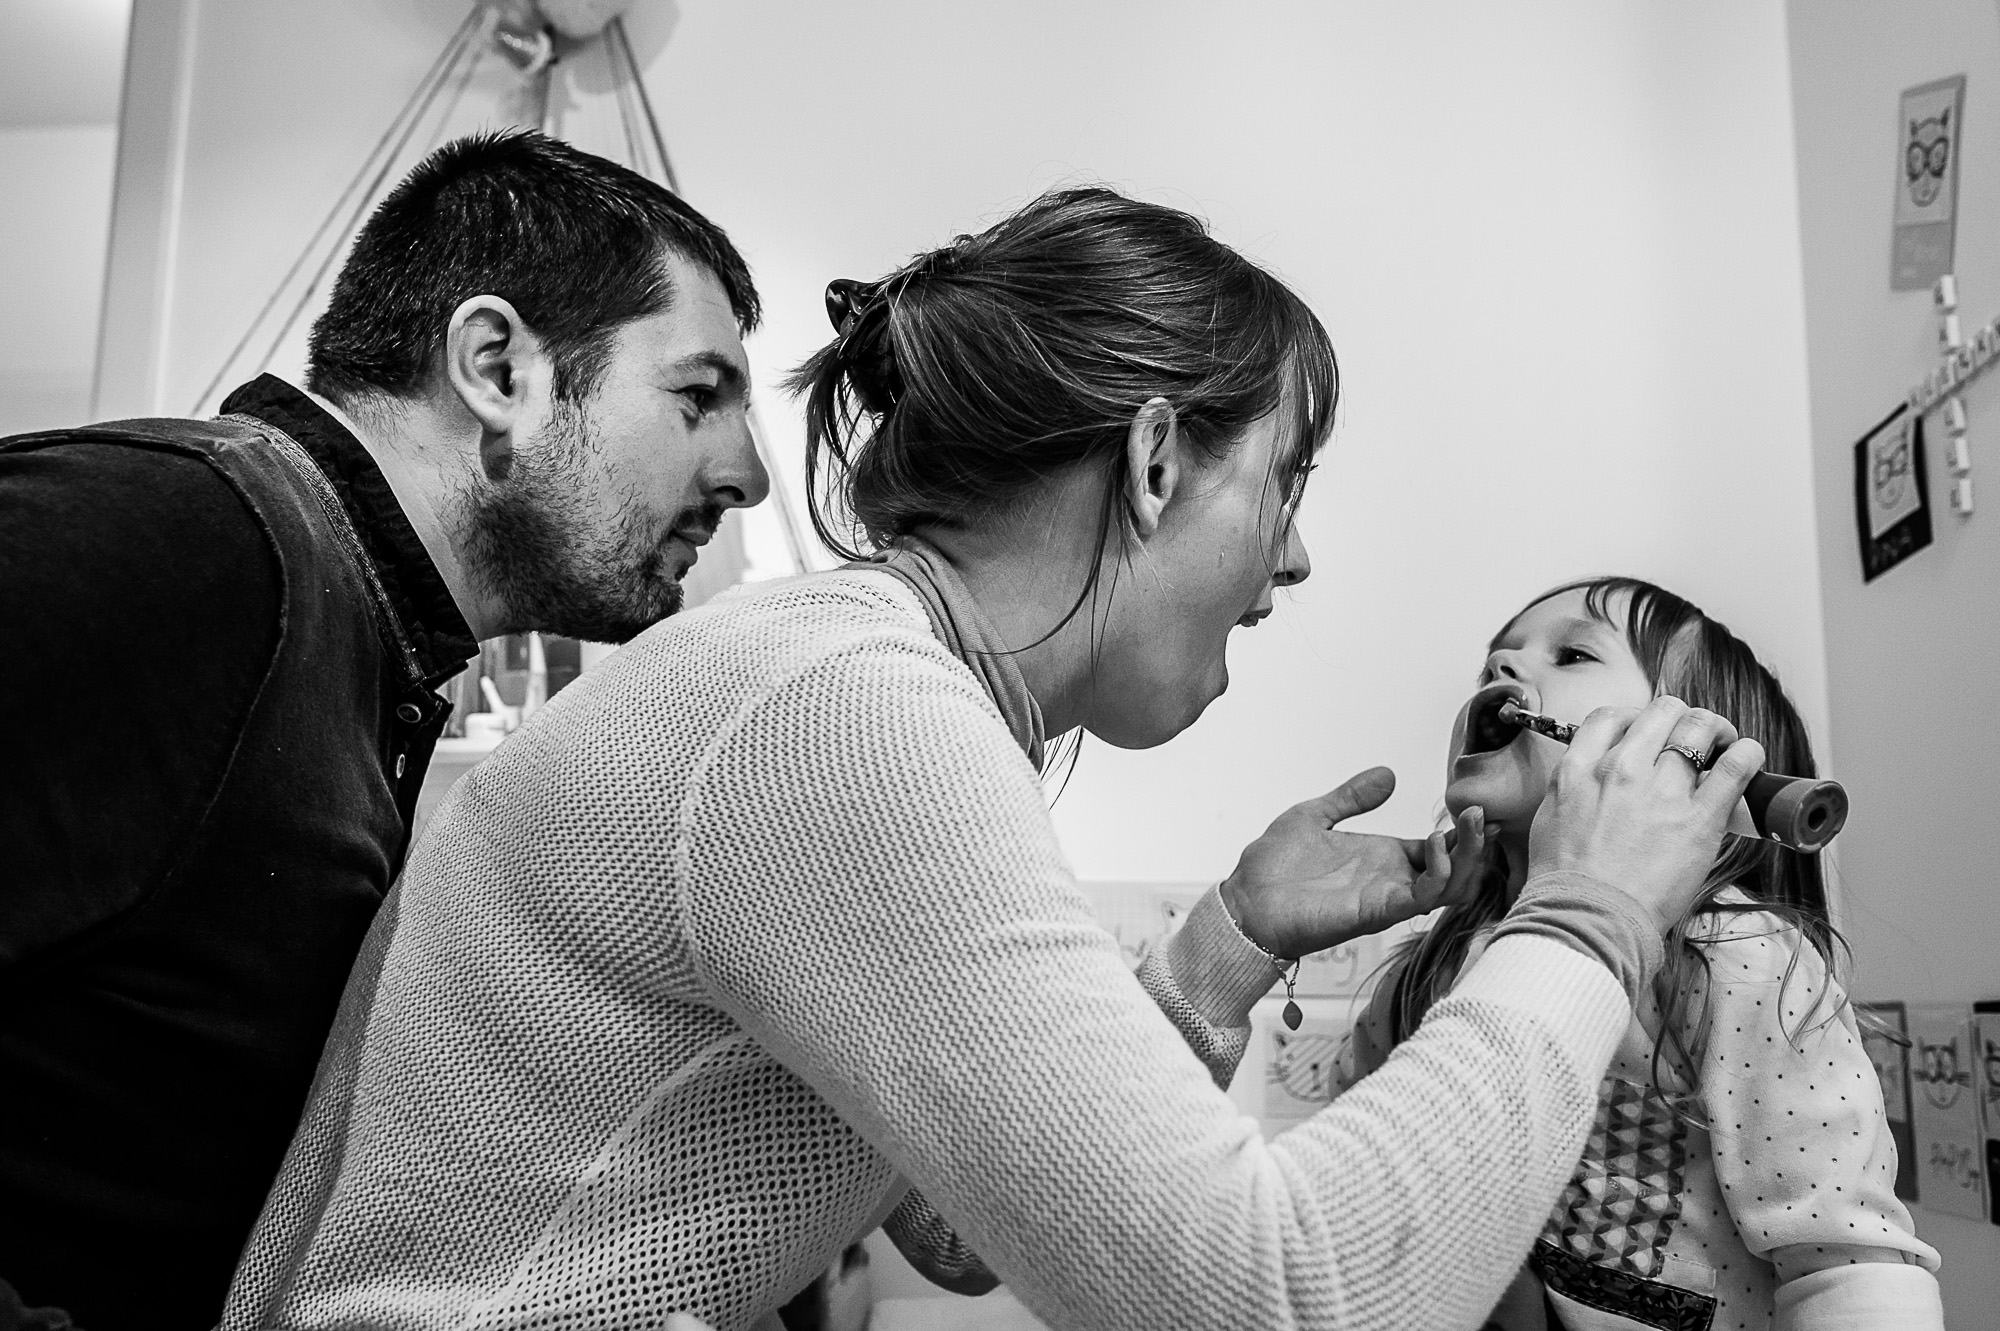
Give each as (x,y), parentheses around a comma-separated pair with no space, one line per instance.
(1740,1171)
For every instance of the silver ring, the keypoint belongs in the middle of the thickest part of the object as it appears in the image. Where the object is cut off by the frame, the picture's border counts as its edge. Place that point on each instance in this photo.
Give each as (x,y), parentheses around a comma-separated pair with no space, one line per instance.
(1695,756)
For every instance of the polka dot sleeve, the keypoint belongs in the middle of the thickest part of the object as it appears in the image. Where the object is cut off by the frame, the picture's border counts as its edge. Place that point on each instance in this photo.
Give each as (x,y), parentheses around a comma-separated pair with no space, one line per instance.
(1801,1146)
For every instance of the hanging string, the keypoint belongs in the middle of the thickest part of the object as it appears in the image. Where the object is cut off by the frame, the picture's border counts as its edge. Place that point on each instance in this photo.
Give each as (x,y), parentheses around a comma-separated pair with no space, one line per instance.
(361,206)
(431,76)
(457,96)
(628,113)
(615,34)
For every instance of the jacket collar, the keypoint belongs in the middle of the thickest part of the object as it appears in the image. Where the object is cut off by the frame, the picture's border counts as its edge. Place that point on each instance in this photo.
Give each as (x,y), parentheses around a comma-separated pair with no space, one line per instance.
(431,618)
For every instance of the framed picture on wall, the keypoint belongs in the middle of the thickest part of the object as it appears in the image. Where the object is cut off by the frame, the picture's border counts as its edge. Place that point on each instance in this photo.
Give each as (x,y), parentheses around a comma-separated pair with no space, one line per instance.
(1892,507)
(1929,121)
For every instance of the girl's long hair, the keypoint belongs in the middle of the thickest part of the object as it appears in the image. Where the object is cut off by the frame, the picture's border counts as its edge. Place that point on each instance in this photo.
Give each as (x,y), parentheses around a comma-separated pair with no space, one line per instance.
(1691,656)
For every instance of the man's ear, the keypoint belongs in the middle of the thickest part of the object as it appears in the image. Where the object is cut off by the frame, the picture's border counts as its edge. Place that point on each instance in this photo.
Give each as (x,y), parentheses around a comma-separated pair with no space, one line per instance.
(1152,464)
(495,366)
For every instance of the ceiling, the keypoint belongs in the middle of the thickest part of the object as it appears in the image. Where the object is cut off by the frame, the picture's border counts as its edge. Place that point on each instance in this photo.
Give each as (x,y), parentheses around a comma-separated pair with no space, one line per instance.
(61,61)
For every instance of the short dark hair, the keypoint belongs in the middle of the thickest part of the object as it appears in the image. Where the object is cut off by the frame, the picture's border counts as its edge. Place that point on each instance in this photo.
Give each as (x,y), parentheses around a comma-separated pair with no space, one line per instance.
(573,241)
(980,371)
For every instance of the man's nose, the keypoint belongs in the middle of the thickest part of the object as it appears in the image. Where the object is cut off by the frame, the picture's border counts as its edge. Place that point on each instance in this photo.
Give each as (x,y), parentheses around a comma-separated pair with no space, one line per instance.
(739,478)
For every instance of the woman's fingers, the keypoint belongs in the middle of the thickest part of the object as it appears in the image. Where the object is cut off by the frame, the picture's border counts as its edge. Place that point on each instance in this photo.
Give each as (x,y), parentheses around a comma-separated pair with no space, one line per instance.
(1639,748)
(1697,738)
(1599,733)
(1724,784)
(1621,805)
(1357,795)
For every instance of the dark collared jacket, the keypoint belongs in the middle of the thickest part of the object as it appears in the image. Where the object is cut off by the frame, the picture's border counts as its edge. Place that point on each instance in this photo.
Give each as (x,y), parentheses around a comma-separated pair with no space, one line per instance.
(223,640)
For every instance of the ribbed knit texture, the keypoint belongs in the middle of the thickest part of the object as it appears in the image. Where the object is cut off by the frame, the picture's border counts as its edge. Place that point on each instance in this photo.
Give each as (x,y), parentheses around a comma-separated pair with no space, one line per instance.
(764,917)
(1594,918)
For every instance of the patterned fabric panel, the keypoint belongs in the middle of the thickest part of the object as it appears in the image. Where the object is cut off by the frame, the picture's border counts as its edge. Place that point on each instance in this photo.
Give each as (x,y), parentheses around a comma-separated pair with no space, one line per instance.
(1621,1206)
(1617,1298)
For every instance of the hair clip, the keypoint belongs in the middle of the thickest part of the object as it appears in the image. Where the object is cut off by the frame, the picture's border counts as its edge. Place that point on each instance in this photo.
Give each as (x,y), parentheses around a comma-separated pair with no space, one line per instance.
(847,300)
(870,371)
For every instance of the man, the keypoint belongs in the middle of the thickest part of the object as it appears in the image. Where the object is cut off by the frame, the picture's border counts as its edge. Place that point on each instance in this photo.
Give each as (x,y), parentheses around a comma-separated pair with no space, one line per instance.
(526,409)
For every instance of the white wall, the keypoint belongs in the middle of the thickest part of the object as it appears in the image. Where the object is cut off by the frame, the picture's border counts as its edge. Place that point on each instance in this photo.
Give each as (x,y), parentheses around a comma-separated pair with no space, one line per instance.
(55,211)
(61,59)
(59,102)
(59,75)
(1916,718)
(1555,245)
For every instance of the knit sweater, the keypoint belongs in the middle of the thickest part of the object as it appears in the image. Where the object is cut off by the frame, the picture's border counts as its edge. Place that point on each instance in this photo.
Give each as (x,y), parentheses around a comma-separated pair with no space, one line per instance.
(763,921)
(1767,1203)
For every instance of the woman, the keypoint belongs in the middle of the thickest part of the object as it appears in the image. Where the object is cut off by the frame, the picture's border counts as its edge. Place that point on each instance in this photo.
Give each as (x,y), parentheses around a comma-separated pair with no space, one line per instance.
(759,935)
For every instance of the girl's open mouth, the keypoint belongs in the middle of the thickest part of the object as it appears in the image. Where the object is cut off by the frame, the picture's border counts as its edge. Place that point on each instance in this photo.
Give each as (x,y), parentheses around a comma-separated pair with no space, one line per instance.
(1485,732)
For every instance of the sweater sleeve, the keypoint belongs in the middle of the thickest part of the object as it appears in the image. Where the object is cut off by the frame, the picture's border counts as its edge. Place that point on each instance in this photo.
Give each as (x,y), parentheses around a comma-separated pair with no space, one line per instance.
(1218,963)
(883,905)
(1797,1131)
(934,1250)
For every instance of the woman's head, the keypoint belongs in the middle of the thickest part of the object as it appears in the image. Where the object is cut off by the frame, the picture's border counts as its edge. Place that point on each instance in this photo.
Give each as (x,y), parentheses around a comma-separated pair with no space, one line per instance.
(1089,345)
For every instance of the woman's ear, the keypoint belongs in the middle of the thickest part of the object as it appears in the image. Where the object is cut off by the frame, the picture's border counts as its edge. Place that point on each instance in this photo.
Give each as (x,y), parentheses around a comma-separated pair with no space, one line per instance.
(1152,464)
(495,366)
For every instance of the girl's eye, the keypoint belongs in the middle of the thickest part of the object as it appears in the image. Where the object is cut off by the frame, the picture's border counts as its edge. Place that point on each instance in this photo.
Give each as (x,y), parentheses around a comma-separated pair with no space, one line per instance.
(1572,655)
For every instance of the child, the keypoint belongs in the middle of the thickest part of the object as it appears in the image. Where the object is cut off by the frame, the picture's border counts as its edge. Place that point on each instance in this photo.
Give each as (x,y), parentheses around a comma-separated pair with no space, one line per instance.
(1740,1171)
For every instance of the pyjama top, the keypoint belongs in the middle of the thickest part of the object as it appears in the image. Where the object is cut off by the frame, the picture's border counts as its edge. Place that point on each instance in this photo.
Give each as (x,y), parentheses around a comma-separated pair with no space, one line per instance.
(1756,1195)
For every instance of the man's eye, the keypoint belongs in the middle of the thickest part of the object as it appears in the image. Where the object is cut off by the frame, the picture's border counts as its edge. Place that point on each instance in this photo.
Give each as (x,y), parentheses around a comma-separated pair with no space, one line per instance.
(702,395)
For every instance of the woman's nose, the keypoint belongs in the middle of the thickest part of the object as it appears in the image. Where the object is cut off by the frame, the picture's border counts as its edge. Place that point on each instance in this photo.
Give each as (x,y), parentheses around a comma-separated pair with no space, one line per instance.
(1294,564)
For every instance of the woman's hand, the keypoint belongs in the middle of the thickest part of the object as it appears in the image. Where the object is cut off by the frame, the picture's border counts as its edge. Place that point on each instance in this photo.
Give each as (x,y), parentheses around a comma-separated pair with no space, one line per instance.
(1305,885)
(1637,816)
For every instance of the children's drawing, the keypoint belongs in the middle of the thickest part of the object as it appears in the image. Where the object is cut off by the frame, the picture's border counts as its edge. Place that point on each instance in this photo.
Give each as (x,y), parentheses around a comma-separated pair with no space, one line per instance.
(1340,971)
(1951,1150)
(1302,1064)
(1929,124)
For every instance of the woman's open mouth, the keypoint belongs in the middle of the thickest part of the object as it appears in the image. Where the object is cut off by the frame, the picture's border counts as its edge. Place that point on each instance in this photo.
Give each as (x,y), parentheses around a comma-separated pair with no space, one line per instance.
(1485,732)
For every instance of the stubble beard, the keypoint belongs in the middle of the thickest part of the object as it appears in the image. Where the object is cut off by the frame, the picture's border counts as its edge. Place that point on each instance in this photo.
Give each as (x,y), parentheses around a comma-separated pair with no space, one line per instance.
(531,545)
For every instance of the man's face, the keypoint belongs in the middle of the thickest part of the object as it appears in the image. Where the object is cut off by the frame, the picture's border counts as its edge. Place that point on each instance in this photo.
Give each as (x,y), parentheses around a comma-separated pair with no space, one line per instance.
(606,506)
